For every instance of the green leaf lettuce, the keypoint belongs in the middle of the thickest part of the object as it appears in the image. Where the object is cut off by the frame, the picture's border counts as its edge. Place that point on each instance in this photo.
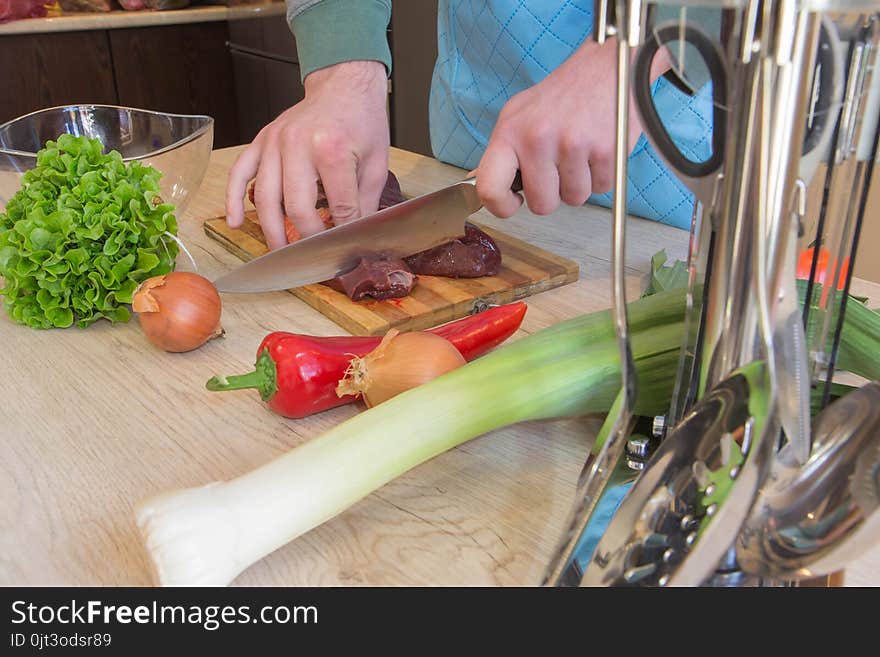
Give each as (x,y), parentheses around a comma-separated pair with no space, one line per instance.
(79,236)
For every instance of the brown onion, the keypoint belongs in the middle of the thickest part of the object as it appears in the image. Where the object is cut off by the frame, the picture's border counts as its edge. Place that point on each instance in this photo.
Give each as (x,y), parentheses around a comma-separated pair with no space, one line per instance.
(179,311)
(400,362)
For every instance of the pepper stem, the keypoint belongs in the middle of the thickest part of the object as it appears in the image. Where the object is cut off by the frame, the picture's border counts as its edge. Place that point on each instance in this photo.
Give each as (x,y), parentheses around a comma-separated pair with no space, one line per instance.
(264,378)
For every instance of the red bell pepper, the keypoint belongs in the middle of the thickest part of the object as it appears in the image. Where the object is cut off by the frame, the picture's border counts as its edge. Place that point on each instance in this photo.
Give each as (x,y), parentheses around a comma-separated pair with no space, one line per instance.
(297,374)
(824,267)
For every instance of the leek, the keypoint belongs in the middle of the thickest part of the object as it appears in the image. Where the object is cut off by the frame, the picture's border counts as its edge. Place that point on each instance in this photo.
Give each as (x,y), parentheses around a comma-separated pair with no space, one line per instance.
(208,535)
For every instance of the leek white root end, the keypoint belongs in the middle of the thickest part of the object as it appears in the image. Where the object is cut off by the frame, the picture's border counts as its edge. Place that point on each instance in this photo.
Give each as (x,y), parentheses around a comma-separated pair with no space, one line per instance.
(190,537)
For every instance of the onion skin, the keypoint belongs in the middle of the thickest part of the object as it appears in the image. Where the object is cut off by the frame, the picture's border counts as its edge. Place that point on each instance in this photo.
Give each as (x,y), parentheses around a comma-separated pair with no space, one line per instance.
(402,361)
(179,311)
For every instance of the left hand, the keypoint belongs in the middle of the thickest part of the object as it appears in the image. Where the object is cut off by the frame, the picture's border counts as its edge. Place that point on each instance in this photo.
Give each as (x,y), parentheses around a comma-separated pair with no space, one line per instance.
(560,134)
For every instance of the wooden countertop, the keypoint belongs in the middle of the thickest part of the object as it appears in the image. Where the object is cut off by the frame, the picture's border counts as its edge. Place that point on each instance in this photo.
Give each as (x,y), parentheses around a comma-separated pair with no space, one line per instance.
(58,21)
(95,420)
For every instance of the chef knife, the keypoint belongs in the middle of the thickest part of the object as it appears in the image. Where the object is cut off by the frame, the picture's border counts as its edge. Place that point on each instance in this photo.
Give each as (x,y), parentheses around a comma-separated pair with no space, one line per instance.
(398,231)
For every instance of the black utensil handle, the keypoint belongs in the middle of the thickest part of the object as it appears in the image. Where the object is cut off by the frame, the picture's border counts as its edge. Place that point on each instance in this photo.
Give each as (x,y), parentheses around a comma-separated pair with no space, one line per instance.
(651,120)
(822,109)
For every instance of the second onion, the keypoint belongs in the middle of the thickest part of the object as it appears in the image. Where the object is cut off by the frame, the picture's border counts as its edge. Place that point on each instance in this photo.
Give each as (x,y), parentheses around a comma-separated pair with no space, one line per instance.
(401,361)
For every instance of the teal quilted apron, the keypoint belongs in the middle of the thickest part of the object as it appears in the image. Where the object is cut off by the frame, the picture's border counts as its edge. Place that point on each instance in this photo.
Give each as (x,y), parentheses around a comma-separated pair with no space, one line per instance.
(490,50)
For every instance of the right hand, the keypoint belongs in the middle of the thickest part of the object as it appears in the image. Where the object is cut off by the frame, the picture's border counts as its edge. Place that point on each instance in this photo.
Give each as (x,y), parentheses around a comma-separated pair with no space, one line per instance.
(337,134)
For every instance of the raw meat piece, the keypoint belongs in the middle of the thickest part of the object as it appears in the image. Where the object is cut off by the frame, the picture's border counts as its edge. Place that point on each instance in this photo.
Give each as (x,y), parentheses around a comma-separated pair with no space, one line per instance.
(377,277)
(391,194)
(474,255)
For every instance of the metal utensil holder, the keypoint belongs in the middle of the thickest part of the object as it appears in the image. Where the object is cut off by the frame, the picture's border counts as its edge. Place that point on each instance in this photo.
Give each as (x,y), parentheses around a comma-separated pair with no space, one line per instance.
(741,242)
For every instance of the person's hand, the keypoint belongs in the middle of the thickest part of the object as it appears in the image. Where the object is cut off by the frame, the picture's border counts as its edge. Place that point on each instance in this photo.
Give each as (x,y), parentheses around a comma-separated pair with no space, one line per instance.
(560,134)
(338,134)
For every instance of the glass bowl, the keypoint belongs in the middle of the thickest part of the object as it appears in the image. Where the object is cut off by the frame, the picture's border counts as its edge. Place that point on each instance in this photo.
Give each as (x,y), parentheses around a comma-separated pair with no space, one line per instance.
(178,145)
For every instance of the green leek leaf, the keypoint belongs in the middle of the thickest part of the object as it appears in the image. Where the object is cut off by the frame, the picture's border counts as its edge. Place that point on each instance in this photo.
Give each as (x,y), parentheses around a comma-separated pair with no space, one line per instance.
(666,277)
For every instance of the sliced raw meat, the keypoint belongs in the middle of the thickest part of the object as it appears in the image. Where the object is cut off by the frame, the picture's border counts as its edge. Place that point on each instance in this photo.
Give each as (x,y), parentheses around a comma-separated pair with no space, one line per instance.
(391,194)
(474,255)
(376,277)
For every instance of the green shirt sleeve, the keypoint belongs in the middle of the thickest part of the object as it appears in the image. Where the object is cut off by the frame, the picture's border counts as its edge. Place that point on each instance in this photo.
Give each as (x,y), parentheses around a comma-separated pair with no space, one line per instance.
(332,31)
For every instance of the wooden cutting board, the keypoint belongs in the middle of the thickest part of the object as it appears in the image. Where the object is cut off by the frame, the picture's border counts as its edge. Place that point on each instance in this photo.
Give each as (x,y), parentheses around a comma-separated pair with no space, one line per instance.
(525,270)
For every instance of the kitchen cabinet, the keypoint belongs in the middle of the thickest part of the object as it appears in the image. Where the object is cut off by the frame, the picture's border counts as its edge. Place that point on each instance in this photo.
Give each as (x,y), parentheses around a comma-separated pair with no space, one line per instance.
(57,69)
(265,69)
(175,68)
(413,53)
(184,69)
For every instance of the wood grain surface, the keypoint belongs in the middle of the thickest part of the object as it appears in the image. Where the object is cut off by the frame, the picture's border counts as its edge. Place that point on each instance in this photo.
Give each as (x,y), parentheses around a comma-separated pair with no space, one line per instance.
(95,420)
(525,270)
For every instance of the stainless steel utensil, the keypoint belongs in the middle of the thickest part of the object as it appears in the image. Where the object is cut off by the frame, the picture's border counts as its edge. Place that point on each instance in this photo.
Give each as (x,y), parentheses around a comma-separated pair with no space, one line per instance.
(790,350)
(742,374)
(690,555)
(792,366)
(846,189)
(622,20)
(697,489)
(813,519)
(701,177)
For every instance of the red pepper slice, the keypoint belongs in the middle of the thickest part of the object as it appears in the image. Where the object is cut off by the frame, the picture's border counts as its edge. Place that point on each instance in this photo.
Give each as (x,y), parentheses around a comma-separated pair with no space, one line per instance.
(824,267)
(297,374)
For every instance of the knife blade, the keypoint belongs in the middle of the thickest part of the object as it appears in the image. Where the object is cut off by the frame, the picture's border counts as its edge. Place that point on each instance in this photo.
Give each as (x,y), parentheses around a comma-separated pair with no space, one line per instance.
(398,231)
